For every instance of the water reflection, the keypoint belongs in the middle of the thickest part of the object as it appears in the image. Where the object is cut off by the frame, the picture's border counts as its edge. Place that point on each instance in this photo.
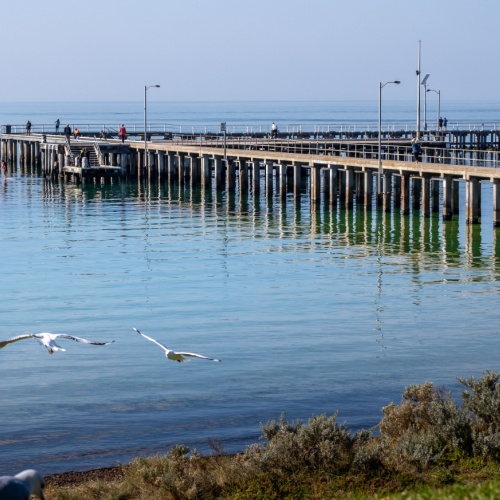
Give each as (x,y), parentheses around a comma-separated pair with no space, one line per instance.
(424,241)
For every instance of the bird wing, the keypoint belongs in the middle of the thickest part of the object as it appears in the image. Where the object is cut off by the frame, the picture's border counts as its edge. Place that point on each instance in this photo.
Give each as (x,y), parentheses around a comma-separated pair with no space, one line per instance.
(79,339)
(192,354)
(152,340)
(15,339)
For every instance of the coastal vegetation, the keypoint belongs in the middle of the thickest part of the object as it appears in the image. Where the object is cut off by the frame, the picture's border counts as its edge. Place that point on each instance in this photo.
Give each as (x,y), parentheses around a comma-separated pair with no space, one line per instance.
(430,445)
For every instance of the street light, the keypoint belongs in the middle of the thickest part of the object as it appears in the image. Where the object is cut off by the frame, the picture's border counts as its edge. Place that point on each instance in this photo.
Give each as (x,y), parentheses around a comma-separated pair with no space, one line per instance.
(438,92)
(146,162)
(379,176)
(424,83)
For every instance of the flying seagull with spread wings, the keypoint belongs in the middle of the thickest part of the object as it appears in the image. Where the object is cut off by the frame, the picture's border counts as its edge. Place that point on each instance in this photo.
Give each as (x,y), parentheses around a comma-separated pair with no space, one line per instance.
(48,340)
(173,355)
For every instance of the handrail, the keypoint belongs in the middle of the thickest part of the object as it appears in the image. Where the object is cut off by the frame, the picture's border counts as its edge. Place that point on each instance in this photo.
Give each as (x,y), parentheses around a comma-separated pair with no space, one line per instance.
(251,129)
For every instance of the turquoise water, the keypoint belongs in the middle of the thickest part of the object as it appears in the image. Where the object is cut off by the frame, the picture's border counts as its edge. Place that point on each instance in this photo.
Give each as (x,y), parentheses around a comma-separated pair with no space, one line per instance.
(310,312)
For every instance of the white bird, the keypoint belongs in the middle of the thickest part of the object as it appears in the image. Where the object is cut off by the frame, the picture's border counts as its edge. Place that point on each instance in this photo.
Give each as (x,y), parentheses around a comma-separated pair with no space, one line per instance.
(21,486)
(175,356)
(48,340)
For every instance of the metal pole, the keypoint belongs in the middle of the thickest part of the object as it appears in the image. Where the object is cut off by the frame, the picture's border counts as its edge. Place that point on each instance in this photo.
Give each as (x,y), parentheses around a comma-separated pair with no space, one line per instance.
(225,158)
(425,106)
(418,93)
(146,159)
(145,131)
(379,175)
(439,104)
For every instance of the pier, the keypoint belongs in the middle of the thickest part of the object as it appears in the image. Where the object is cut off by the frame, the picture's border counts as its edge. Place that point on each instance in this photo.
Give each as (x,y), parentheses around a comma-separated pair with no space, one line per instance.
(335,167)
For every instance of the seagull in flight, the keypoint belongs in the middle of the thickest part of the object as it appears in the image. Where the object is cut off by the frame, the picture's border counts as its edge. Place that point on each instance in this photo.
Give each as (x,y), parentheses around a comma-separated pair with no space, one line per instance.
(175,356)
(48,340)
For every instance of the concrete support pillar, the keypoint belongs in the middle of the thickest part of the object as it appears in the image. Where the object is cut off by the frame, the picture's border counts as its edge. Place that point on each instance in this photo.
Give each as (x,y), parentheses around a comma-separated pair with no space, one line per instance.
(206,172)
(496,202)
(334,184)
(349,187)
(181,171)
(447,191)
(37,154)
(194,164)
(405,194)
(325,182)
(269,177)
(256,176)
(123,163)
(315,183)
(243,171)
(359,180)
(472,201)
(455,198)
(161,164)
(386,192)
(416,192)
(297,179)
(171,167)
(61,161)
(282,179)
(218,171)
(426,196)
(435,195)
(231,175)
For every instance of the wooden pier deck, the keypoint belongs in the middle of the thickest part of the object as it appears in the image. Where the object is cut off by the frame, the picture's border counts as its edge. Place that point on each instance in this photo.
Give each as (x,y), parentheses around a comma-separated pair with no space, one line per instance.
(337,170)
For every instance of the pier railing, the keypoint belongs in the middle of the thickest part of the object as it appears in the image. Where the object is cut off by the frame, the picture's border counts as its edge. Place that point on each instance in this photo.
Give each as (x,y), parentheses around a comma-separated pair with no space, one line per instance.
(242,129)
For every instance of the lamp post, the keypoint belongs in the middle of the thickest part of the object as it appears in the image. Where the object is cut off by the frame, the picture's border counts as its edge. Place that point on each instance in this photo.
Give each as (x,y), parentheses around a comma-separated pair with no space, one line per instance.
(424,83)
(438,92)
(379,176)
(146,162)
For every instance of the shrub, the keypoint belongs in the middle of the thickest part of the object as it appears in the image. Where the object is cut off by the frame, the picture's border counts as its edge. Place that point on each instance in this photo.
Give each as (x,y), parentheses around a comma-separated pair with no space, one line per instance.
(482,403)
(424,427)
(320,445)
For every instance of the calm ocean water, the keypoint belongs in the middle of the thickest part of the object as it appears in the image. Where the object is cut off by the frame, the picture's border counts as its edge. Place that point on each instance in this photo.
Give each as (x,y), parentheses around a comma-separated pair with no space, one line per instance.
(310,312)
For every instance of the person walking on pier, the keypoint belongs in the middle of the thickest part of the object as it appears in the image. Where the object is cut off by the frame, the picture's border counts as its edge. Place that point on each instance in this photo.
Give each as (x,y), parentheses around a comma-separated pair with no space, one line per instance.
(67,132)
(28,127)
(57,122)
(445,122)
(122,133)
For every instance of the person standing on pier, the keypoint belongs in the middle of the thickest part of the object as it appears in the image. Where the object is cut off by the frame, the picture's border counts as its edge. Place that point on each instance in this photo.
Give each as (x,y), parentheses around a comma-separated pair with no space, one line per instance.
(67,132)
(28,127)
(445,122)
(416,149)
(57,122)
(274,130)
(440,123)
(122,133)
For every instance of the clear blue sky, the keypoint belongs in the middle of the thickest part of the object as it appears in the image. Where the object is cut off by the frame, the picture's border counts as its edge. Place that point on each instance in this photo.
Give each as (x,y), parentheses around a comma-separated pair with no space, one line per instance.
(93,50)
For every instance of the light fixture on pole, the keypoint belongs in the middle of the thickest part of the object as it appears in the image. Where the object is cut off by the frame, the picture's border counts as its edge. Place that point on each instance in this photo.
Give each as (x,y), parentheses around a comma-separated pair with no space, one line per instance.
(146,162)
(424,83)
(438,92)
(379,176)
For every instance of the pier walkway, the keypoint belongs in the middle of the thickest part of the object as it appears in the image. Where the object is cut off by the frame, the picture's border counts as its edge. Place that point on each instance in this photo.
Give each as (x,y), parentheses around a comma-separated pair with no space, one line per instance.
(333,169)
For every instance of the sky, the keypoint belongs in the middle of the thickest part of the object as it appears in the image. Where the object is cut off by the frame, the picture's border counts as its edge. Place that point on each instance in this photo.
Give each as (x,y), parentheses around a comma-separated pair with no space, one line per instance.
(236,50)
